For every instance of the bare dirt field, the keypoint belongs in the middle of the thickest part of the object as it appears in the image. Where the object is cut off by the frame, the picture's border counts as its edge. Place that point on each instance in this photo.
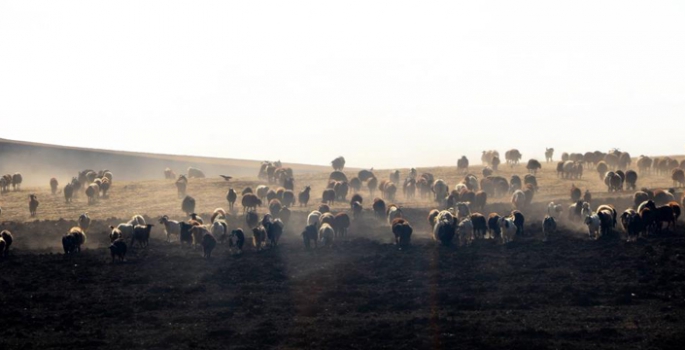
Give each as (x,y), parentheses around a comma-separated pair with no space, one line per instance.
(363,293)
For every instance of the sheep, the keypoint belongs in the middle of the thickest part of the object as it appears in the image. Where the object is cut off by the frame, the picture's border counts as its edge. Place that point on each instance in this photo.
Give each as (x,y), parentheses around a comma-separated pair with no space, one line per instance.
(587,197)
(665,214)
(395,176)
(16,182)
(219,228)
(181,184)
(262,190)
(379,207)
(33,204)
(341,224)
(515,183)
(662,197)
(92,192)
(171,227)
(487,171)
(7,238)
(678,177)
(549,153)
(644,164)
(440,189)
(480,199)
(195,173)
(529,191)
(288,198)
(337,176)
(507,229)
(465,231)
(338,163)
(274,232)
(141,234)
(518,199)
(195,219)
(284,215)
(402,231)
(324,208)
(186,234)
(612,181)
(73,240)
(519,220)
(208,244)
(327,218)
(188,205)
(169,174)
(303,196)
(512,157)
(251,219)
(463,164)
(575,193)
(328,196)
(549,226)
(326,234)
(365,175)
(289,183)
(239,237)
(275,207)
(246,190)
(313,218)
(586,209)
(480,225)
(632,224)
(631,180)
(53,186)
(357,210)
(197,232)
(533,166)
(493,226)
(574,211)
(393,212)
(355,184)
(444,229)
(602,169)
(250,202)
(389,191)
(593,223)
(676,210)
(432,217)
(554,210)
(137,220)
(4,184)
(218,214)
(371,184)
(118,250)
(84,222)
(310,234)
(104,187)
(115,234)
(609,209)
(231,197)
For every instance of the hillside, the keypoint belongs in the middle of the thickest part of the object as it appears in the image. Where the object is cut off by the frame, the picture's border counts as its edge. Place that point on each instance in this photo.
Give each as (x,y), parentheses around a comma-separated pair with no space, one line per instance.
(44,161)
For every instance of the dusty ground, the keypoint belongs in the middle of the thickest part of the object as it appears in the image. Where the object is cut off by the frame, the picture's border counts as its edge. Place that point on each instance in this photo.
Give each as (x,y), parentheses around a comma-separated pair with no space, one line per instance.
(364,293)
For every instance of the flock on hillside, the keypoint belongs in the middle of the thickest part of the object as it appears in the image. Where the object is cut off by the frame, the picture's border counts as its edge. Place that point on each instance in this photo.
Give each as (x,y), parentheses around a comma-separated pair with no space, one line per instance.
(459,213)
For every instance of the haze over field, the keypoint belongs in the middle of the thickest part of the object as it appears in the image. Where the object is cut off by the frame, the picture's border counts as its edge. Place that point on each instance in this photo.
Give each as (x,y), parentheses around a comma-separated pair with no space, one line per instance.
(386,84)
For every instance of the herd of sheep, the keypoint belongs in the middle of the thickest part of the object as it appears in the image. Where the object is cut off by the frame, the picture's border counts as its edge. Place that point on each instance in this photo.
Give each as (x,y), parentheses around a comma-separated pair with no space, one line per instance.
(459,213)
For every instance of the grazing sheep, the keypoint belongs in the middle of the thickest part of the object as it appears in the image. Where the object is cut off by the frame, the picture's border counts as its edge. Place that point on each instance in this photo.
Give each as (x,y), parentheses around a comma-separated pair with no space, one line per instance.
(181,184)
(533,166)
(338,163)
(507,229)
(493,226)
(141,234)
(402,231)
(326,234)
(549,226)
(4,184)
(231,197)
(84,222)
(389,191)
(341,224)
(195,173)
(310,234)
(644,164)
(480,225)
(328,196)
(252,219)
(250,202)
(6,238)
(118,250)
(73,240)
(33,204)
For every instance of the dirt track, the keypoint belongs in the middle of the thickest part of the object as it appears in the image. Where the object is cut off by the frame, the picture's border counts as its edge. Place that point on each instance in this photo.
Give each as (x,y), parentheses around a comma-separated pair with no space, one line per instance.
(568,293)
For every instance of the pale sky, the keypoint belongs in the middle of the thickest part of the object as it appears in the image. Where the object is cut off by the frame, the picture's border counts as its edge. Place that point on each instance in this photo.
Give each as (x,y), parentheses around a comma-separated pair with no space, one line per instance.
(385,84)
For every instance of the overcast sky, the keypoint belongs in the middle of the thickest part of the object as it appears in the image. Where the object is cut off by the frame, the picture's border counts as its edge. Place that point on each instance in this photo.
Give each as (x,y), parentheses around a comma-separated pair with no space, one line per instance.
(385,84)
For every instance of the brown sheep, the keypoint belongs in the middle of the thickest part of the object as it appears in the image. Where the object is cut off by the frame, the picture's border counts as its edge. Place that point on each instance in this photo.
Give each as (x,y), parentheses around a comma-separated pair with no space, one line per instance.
(678,177)
(328,196)
(480,200)
(303,196)
(250,202)
(533,166)
(338,163)
(275,207)
(587,197)
(602,169)
(188,205)
(356,198)
(366,175)
(432,217)
(372,184)
(324,208)
(341,224)
(246,190)
(231,197)
(53,186)
(402,231)
(73,240)
(288,198)
(251,219)
(480,225)
(357,210)
(181,184)
(575,193)
(462,164)
(355,184)
(631,180)
(379,208)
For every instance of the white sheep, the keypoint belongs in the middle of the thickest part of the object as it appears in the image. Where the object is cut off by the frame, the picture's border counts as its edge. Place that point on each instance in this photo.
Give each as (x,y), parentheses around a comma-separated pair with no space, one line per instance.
(326,233)
(219,228)
(126,230)
(137,220)
(554,210)
(465,231)
(313,218)
(549,226)
(171,227)
(508,229)
(393,213)
(518,199)
(594,225)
